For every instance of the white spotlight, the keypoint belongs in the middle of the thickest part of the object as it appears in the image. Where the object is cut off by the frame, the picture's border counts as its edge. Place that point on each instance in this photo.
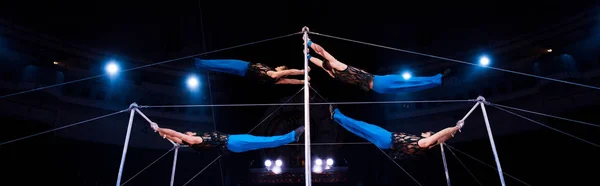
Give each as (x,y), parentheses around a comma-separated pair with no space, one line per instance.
(112,68)
(549,50)
(318,162)
(192,82)
(277,170)
(278,163)
(317,169)
(484,61)
(329,161)
(406,75)
(268,163)
(327,167)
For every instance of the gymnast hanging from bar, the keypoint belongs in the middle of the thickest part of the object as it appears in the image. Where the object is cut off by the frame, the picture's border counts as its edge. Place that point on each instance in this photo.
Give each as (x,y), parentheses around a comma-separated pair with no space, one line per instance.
(384,84)
(232,142)
(255,71)
(402,145)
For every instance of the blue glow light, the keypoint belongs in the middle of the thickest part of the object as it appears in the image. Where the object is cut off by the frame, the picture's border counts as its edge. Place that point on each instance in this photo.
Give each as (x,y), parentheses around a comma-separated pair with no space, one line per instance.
(406,75)
(112,68)
(484,61)
(192,82)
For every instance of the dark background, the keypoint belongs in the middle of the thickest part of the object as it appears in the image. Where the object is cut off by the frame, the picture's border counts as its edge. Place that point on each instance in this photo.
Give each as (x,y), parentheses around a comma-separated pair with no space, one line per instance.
(83,35)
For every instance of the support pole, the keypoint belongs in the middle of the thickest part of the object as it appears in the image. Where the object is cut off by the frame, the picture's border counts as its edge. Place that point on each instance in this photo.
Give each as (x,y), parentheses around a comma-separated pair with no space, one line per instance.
(461,122)
(307,158)
(174,165)
(470,111)
(445,164)
(132,107)
(481,100)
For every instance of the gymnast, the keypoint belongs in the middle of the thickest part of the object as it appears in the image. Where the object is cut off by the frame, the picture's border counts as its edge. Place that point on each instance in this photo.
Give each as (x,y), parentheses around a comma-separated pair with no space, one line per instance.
(234,142)
(401,144)
(384,84)
(255,71)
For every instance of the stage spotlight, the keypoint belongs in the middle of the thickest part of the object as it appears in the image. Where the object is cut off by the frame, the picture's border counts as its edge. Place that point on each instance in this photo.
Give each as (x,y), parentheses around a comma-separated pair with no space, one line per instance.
(549,50)
(112,68)
(406,75)
(327,167)
(329,161)
(484,61)
(55,63)
(278,163)
(318,162)
(268,163)
(317,169)
(277,170)
(192,82)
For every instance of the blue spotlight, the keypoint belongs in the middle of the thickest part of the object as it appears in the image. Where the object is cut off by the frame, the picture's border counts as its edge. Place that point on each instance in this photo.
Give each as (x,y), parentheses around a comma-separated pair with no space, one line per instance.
(192,82)
(484,61)
(112,68)
(406,75)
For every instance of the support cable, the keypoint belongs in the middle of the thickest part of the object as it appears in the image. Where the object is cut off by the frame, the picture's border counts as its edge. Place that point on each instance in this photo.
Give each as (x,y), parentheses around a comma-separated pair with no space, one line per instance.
(300,104)
(544,125)
(542,114)
(63,127)
(173,148)
(452,148)
(218,157)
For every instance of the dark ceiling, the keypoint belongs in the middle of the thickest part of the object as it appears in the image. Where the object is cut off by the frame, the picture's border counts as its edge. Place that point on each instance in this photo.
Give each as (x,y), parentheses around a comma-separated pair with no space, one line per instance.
(141,33)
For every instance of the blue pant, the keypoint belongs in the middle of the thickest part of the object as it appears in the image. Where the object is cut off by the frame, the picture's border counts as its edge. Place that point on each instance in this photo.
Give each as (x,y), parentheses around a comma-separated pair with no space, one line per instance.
(247,142)
(395,83)
(373,133)
(230,66)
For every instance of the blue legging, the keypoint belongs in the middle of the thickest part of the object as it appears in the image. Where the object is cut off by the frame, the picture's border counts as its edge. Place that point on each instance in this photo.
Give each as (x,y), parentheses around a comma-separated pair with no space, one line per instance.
(373,133)
(247,142)
(230,66)
(394,83)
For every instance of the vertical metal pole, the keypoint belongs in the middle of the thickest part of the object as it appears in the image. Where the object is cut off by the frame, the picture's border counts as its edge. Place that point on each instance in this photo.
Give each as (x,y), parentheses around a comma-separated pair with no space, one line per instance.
(445,164)
(126,145)
(307,158)
(174,165)
(489,130)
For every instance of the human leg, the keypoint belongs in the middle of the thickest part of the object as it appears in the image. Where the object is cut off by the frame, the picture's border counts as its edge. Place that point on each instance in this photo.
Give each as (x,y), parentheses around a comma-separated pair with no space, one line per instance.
(247,142)
(372,133)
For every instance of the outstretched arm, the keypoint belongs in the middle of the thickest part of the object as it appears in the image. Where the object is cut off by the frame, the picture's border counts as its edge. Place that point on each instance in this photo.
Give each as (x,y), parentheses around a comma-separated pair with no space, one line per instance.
(319,63)
(282,72)
(179,137)
(321,51)
(437,138)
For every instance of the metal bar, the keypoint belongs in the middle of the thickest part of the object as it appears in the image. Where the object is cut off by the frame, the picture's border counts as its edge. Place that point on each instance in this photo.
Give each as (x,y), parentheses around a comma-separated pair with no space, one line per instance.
(126,144)
(174,165)
(489,130)
(307,158)
(445,164)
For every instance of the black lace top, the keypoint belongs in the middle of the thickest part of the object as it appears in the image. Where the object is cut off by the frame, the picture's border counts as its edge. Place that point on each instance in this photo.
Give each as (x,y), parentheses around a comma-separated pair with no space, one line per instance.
(212,140)
(258,72)
(406,146)
(353,75)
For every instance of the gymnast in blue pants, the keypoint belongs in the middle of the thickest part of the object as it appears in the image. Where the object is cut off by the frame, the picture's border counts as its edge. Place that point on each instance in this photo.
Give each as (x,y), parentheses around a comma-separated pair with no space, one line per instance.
(384,84)
(234,142)
(255,71)
(402,145)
